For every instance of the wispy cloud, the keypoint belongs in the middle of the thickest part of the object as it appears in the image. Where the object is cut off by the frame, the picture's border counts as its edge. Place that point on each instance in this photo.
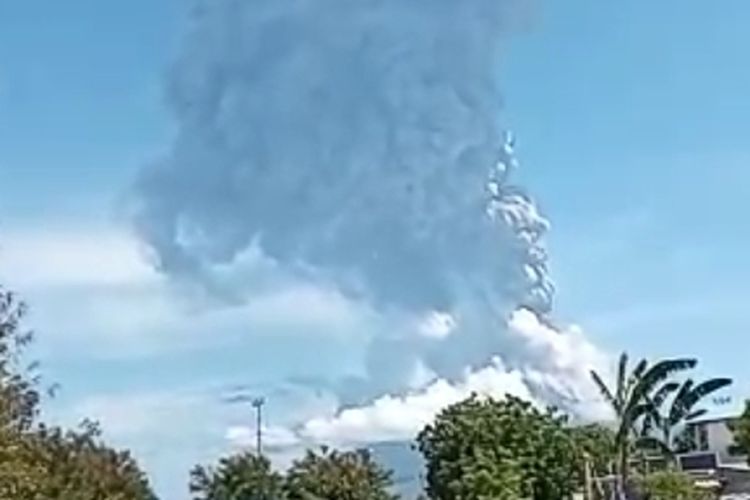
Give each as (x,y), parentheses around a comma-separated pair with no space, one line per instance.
(72,257)
(94,291)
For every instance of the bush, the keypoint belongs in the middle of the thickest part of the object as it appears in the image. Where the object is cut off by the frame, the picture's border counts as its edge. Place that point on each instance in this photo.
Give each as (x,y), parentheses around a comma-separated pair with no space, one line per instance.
(670,485)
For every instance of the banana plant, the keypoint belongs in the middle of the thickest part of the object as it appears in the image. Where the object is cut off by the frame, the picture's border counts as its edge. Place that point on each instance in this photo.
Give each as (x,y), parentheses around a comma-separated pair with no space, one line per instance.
(630,400)
(670,415)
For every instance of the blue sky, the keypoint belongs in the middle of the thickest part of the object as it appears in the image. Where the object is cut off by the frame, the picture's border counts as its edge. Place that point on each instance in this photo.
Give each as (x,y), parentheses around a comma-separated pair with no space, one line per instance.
(631,120)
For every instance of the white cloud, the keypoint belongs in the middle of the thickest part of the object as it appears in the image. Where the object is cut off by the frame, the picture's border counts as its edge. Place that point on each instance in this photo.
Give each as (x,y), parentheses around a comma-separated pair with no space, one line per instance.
(126,416)
(272,437)
(552,350)
(401,417)
(72,257)
(93,291)
(437,325)
(559,362)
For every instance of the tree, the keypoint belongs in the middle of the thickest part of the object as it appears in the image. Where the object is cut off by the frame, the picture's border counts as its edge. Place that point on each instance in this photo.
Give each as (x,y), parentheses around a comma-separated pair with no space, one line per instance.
(498,449)
(594,444)
(19,471)
(19,385)
(661,426)
(486,478)
(241,477)
(671,485)
(629,400)
(39,462)
(76,465)
(336,475)
(18,402)
(741,431)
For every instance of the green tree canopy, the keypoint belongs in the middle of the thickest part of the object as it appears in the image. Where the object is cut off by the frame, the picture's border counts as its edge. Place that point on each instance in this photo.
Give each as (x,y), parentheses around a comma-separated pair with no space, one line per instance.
(594,443)
(51,463)
(671,485)
(335,475)
(324,475)
(498,449)
(241,477)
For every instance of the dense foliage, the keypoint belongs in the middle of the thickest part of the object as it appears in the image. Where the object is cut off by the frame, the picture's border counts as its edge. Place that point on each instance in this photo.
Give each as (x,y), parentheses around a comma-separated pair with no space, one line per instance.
(328,474)
(51,463)
(336,475)
(669,485)
(594,444)
(241,477)
(485,448)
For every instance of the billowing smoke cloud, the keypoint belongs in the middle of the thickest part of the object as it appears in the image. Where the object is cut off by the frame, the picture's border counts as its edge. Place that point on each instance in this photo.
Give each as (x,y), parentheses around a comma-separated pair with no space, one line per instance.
(554,366)
(355,145)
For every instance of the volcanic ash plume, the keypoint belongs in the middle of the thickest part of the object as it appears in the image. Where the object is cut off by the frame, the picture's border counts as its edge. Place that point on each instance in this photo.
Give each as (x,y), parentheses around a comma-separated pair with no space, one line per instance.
(356,145)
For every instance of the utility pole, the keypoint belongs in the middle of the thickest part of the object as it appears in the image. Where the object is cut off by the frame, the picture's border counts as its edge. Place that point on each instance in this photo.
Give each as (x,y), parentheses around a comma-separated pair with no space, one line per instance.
(588,490)
(258,405)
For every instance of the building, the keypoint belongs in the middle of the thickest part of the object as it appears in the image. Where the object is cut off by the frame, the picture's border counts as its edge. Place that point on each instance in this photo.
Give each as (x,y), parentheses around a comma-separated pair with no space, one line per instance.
(717,458)
(715,435)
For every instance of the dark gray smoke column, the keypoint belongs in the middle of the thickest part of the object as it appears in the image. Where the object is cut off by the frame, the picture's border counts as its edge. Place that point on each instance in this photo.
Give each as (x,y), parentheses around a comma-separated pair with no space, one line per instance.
(357,143)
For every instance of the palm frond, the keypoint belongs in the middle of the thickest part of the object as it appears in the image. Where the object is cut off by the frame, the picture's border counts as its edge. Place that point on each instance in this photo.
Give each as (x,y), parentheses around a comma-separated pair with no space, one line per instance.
(637,373)
(638,410)
(643,412)
(680,406)
(640,368)
(651,421)
(663,392)
(622,371)
(654,444)
(660,372)
(696,414)
(653,417)
(605,392)
(686,400)
(708,387)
